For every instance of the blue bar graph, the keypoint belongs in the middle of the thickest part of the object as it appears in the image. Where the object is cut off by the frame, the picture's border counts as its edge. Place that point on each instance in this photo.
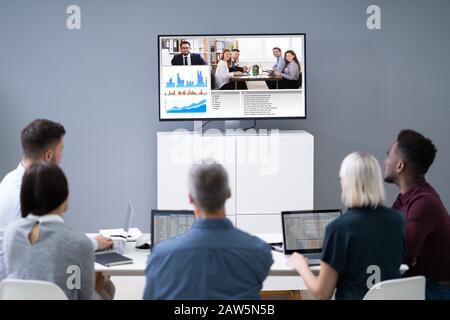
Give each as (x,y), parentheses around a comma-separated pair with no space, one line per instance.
(181,83)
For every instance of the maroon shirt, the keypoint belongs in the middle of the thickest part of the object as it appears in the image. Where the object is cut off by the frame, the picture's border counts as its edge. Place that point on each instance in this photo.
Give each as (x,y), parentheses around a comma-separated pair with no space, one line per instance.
(427,232)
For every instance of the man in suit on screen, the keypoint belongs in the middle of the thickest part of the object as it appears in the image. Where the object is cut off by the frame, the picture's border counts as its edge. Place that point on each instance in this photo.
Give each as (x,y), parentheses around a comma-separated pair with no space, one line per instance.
(186,58)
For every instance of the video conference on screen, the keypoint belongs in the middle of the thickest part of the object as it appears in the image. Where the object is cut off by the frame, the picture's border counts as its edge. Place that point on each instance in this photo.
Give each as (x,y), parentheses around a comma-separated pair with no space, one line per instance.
(232,77)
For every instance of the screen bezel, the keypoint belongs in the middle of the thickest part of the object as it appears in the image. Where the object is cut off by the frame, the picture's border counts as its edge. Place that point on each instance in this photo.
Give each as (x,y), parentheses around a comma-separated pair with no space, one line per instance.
(304,80)
(283,213)
(180,212)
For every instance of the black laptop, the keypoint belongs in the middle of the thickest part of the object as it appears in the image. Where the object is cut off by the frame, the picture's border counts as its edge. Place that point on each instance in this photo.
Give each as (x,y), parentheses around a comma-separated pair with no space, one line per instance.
(167,224)
(304,231)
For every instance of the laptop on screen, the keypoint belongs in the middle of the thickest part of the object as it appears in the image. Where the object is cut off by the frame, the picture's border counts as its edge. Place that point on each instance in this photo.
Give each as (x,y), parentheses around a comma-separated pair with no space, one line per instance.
(167,224)
(304,231)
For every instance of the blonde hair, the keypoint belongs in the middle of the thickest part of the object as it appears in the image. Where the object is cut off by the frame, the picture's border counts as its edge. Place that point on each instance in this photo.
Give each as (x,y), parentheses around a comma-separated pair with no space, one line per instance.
(362,182)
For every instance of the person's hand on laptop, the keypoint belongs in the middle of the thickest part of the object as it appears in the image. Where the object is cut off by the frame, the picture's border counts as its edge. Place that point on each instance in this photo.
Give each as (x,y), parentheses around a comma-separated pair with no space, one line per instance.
(298,262)
(104,243)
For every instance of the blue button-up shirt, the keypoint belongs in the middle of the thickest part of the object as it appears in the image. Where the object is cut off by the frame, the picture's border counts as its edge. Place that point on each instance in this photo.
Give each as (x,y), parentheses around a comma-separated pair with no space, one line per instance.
(279,65)
(213,260)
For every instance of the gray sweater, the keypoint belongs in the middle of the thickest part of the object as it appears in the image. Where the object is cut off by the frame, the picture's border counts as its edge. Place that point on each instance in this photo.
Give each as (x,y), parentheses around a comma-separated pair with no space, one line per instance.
(61,255)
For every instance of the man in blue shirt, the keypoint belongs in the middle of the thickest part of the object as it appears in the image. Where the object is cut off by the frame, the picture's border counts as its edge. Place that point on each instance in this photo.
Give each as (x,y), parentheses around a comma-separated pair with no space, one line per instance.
(277,67)
(213,260)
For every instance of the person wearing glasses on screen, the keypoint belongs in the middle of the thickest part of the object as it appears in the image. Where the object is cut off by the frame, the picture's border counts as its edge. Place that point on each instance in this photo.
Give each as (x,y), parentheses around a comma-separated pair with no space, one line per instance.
(291,71)
(186,58)
(364,244)
(223,74)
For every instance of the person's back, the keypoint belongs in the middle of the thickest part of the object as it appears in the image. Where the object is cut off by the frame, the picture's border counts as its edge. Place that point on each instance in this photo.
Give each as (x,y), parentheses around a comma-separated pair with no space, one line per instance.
(9,195)
(213,260)
(361,245)
(428,227)
(427,221)
(9,205)
(58,253)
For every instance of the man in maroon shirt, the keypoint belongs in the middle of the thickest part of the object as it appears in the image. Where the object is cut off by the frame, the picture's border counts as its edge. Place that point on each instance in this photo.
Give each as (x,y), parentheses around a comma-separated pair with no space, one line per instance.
(427,221)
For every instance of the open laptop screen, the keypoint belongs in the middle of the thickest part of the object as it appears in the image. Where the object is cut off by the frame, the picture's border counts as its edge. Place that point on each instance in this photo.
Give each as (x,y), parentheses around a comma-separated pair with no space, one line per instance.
(167,224)
(304,231)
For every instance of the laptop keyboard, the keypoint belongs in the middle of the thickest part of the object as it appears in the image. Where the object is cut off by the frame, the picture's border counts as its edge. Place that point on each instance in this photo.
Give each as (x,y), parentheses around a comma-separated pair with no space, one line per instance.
(313,256)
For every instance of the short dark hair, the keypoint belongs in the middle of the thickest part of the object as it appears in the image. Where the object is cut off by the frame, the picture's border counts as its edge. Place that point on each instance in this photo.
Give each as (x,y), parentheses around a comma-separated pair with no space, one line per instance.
(39,135)
(44,188)
(185,42)
(235,50)
(276,48)
(416,149)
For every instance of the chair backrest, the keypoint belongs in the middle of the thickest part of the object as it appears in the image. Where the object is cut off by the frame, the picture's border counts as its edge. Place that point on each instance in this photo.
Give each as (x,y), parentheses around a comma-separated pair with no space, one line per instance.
(300,80)
(412,288)
(15,289)
(213,80)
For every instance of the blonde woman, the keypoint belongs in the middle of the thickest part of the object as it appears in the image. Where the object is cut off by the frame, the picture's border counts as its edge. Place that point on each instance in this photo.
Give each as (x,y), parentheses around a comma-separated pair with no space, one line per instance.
(362,246)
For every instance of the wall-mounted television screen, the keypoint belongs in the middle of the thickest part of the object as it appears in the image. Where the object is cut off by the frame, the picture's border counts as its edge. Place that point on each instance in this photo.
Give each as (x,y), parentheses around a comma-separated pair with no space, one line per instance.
(226,77)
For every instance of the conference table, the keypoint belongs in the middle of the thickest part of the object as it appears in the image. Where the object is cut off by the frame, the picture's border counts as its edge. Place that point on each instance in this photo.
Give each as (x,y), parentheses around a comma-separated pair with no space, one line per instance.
(140,257)
(282,282)
(260,77)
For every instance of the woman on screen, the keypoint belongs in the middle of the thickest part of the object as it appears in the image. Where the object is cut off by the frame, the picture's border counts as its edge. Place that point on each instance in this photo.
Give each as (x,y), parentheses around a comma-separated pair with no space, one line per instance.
(362,246)
(291,72)
(223,75)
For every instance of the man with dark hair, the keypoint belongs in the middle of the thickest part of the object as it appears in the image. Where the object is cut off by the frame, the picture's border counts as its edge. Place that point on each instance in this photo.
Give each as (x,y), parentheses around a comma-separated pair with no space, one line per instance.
(212,260)
(42,140)
(186,58)
(427,220)
(241,85)
(277,67)
(235,61)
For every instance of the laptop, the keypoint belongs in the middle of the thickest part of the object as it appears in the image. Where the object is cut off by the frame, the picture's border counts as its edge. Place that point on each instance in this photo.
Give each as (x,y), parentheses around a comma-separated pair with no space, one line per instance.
(127,233)
(167,224)
(304,231)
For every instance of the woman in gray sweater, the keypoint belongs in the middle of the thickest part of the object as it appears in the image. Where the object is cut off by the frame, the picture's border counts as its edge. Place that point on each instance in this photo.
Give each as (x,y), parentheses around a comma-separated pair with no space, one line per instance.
(291,72)
(41,246)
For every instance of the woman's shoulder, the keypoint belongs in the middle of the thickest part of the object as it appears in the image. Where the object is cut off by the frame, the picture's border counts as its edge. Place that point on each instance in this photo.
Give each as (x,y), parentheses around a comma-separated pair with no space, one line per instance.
(76,237)
(380,211)
(16,225)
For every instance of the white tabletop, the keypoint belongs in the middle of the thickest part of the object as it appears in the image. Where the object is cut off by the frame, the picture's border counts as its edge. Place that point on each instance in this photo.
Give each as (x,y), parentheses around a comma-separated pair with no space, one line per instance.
(137,268)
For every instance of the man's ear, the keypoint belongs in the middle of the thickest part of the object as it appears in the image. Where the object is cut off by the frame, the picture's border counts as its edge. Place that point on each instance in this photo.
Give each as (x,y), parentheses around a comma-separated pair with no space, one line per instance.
(48,155)
(229,194)
(401,165)
(191,200)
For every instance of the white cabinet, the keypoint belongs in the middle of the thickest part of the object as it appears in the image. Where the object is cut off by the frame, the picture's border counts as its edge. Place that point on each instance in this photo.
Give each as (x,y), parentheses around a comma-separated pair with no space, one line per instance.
(268,172)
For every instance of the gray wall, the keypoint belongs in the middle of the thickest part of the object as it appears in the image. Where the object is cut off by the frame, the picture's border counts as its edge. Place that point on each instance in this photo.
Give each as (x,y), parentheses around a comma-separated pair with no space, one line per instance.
(101,83)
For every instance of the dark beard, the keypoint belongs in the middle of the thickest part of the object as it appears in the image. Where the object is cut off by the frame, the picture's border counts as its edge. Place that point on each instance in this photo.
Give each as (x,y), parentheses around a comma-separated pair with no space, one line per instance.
(389,179)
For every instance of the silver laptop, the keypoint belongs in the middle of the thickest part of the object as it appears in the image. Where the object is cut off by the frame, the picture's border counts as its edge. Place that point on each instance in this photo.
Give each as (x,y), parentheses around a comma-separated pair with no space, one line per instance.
(126,226)
(304,231)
